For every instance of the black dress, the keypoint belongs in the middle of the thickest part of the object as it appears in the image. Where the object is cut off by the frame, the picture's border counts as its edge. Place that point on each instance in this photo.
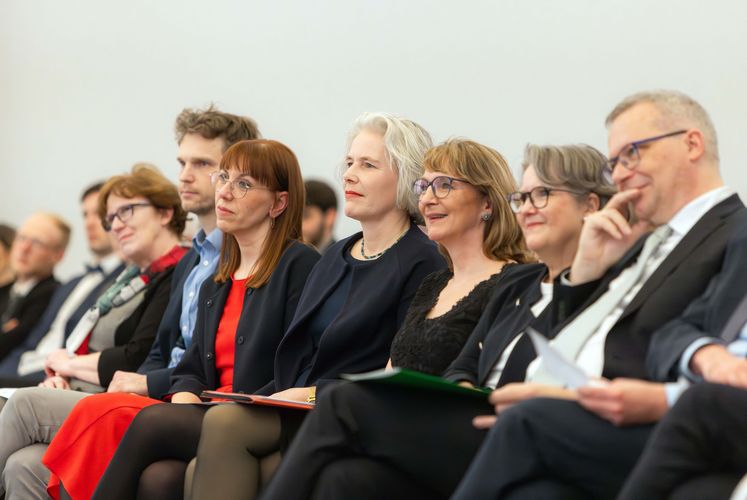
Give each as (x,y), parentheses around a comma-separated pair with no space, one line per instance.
(429,345)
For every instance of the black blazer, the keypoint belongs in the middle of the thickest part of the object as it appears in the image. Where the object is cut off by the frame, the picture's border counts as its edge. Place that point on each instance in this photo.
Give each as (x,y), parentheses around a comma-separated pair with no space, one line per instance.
(28,312)
(134,336)
(155,366)
(507,315)
(681,278)
(360,337)
(708,316)
(266,314)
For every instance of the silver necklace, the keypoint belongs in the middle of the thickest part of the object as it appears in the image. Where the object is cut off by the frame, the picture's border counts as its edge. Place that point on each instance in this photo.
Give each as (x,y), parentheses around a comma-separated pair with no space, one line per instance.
(377,255)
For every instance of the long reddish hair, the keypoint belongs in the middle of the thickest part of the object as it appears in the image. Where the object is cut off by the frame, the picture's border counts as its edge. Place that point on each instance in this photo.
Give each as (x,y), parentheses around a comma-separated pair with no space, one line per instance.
(275,166)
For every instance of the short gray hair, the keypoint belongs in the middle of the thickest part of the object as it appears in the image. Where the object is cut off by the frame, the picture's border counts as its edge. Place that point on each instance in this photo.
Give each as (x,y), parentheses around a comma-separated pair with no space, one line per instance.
(405,143)
(578,167)
(677,110)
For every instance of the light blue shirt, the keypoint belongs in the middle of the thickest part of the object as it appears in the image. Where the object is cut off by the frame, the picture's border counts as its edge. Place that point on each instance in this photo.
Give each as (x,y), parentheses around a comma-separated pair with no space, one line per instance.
(208,249)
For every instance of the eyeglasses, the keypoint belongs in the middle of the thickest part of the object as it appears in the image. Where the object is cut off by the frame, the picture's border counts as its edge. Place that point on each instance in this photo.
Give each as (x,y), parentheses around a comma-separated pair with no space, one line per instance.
(33,242)
(238,188)
(123,213)
(441,186)
(537,197)
(630,156)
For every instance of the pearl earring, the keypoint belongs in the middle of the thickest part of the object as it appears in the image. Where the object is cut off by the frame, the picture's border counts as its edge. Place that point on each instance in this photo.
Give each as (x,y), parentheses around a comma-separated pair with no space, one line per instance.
(485,217)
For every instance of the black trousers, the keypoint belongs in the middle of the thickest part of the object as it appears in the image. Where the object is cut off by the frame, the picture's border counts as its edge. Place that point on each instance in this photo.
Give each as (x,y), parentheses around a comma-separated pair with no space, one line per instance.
(698,450)
(371,441)
(552,449)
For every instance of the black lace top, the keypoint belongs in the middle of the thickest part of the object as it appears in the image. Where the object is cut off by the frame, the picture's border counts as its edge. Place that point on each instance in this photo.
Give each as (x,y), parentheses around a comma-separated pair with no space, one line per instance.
(429,345)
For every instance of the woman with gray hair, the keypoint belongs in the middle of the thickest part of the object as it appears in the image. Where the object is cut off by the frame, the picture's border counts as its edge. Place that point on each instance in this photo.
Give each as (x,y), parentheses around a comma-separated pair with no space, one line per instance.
(369,441)
(353,303)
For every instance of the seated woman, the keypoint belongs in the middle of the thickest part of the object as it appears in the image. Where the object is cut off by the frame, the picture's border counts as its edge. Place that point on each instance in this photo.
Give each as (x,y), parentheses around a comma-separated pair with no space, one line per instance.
(371,441)
(353,303)
(241,316)
(143,211)
(463,198)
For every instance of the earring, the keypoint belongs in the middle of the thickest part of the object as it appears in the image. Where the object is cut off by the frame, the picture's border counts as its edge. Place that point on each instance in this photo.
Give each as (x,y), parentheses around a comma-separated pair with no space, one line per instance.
(272,223)
(485,217)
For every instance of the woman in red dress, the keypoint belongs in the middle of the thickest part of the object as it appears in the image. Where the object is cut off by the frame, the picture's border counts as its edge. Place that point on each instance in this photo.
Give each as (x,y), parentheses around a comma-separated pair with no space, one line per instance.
(241,317)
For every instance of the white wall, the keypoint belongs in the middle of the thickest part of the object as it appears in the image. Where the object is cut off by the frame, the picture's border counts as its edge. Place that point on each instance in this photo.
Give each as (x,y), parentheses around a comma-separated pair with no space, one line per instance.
(87,87)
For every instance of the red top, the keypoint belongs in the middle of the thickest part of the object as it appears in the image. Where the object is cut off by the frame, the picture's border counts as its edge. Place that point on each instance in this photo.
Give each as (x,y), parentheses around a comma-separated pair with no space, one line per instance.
(225,337)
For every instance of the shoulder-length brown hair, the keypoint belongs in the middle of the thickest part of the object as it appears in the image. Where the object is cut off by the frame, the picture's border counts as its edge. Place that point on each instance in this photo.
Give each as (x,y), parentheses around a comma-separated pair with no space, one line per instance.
(275,166)
(488,171)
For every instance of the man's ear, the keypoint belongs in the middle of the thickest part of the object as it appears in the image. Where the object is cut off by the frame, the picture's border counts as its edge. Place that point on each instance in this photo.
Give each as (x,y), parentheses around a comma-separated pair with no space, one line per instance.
(695,144)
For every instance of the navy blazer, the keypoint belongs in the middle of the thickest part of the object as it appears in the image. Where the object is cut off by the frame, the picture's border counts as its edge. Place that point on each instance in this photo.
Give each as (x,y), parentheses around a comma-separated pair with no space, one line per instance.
(681,278)
(266,314)
(156,365)
(507,315)
(9,365)
(359,338)
(708,316)
(28,312)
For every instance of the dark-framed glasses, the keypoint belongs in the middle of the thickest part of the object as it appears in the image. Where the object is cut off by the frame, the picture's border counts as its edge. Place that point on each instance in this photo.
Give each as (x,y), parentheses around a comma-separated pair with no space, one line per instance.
(441,186)
(34,242)
(123,213)
(630,155)
(238,188)
(537,197)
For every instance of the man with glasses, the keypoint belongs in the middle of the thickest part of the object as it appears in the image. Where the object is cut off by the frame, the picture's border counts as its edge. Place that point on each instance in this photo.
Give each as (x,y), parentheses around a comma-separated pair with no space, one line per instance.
(626,282)
(38,246)
(25,365)
(202,137)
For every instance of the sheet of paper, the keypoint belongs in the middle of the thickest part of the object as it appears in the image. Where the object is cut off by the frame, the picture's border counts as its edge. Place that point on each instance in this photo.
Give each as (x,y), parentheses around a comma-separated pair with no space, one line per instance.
(570,375)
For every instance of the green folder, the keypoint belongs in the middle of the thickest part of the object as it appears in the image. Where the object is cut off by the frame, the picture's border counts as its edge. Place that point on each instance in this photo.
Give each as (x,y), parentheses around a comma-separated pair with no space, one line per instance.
(415,380)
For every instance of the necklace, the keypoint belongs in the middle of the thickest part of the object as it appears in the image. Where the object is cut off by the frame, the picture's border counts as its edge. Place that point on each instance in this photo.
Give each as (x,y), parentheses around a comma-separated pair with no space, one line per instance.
(377,255)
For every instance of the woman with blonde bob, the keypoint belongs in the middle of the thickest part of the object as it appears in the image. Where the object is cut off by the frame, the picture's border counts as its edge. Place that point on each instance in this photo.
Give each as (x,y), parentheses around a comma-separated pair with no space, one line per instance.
(368,441)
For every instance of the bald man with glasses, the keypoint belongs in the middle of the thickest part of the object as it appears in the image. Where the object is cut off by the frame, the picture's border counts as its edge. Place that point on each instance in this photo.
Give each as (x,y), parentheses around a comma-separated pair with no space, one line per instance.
(38,246)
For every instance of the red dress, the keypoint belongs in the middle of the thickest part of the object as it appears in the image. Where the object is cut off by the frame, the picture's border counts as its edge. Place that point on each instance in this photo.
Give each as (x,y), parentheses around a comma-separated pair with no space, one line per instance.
(85,444)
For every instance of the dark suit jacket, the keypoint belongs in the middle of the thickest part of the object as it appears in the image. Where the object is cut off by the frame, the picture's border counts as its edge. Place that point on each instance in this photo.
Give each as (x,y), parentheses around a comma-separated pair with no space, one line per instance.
(680,279)
(708,315)
(9,365)
(507,315)
(359,338)
(134,336)
(266,314)
(156,365)
(28,312)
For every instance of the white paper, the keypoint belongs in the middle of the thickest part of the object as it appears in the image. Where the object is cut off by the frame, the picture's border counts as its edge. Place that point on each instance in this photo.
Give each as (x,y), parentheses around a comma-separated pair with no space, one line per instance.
(555,364)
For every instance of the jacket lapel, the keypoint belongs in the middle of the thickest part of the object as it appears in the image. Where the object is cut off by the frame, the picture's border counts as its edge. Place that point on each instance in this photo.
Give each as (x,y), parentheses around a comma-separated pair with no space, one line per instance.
(707,225)
(492,350)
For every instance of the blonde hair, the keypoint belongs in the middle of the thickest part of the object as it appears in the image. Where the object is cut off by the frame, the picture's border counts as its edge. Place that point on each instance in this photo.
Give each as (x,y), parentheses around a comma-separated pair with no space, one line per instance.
(485,169)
